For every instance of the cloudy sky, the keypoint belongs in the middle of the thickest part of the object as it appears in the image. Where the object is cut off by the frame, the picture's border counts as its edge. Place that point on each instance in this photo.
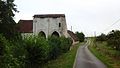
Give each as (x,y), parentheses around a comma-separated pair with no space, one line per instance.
(87,16)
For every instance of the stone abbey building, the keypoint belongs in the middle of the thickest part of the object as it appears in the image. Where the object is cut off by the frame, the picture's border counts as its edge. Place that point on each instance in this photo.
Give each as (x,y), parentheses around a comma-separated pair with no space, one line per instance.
(46,25)
(50,24)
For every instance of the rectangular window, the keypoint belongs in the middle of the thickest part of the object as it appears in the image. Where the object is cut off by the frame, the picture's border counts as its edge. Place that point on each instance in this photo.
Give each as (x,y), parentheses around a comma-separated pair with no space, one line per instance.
(59,24)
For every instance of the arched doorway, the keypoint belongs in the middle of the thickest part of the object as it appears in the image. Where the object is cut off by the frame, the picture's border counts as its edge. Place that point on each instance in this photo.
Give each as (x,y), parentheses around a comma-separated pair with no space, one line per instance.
(42,34)
(56,34)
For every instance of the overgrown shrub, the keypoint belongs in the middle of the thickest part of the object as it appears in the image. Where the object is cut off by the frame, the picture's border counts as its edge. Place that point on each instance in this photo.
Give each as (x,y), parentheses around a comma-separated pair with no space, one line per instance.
(54,43)
(3,42)
(65,44)
(58,45)
(37,51)
(18,51)
(7,54)
(31,52)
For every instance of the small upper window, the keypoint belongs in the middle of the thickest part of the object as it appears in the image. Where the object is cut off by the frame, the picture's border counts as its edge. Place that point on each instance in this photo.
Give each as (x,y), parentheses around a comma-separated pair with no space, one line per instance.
(59,24)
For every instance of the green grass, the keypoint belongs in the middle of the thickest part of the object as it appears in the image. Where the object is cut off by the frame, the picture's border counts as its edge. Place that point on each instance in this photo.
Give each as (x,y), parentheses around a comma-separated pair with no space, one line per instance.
(66,60)
(104,59)
(105,54)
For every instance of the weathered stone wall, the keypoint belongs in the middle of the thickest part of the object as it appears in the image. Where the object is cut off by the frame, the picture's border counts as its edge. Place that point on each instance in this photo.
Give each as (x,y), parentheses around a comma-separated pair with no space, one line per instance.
(49,25)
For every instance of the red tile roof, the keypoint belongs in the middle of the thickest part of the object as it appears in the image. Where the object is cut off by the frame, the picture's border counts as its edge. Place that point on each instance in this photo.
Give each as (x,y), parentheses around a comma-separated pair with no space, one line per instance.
(49,15)
(25,26)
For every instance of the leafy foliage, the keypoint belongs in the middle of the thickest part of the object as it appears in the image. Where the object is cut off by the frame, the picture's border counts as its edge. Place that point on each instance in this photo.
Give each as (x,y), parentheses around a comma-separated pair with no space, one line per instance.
(58,45)
(81,36)
(113,39)
(8,55)
(65,44)
(37,51)
(32,52)
(102,37)
(54,43)
(7,23)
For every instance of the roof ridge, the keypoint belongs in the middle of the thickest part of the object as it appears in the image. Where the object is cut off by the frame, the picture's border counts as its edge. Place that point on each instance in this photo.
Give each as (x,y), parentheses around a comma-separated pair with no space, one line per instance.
(48,15)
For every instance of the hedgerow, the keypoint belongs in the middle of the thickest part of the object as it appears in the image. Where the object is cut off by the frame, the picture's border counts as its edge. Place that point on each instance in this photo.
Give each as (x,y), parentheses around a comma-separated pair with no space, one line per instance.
(31,52)
(10,57)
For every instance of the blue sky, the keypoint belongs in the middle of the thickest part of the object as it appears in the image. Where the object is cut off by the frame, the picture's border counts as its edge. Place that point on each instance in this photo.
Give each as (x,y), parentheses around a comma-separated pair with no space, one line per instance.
(87,16)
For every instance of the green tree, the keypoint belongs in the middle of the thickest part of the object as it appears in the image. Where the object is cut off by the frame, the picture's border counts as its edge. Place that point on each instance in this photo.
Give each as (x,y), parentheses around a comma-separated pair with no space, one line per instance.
(113,39)
(7,23)
(81,36)
(101,37)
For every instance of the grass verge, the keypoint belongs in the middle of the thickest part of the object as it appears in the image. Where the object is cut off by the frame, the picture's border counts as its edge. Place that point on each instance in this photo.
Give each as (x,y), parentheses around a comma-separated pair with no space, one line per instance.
(104,53)
(66,60)
(103,58)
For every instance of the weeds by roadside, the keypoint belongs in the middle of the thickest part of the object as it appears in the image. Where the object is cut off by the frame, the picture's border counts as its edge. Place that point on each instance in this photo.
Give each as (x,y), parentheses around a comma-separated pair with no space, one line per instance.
(108,55)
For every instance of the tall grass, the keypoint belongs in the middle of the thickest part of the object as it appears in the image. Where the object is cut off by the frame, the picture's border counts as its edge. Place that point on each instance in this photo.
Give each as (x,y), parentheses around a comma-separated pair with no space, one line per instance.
(106,54)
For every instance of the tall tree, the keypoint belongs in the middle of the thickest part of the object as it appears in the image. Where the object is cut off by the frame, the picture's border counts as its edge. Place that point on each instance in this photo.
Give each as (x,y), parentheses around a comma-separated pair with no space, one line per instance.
(113,39)
(7,23)
(81,36)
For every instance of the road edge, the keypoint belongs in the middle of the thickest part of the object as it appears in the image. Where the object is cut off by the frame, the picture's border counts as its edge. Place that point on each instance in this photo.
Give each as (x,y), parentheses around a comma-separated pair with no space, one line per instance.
(76,57)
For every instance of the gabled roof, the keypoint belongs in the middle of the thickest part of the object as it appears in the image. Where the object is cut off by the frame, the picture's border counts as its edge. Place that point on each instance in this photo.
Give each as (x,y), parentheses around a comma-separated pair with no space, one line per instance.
(25,26)
(74,36)
(48,15)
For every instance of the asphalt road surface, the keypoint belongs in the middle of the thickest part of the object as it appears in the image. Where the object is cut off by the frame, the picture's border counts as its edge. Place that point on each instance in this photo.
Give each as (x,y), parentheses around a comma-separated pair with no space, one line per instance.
(85,59)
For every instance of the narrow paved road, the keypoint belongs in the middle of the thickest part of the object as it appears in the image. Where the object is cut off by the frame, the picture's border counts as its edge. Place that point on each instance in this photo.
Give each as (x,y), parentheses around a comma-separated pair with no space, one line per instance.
(85,59)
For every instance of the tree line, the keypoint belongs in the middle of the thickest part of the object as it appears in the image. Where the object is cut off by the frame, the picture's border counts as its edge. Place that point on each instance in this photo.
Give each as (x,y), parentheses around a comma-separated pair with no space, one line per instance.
(112,38)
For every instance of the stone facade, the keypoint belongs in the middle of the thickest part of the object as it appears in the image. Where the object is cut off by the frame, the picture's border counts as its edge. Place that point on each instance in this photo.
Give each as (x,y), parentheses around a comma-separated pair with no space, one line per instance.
(46,25)
(50,24)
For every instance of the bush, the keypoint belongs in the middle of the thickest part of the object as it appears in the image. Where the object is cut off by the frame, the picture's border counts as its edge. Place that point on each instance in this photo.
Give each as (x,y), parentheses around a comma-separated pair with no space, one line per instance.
(54,43)
(65,44)
(18,51)
(3,42)
(7,54)
(58,45)
(31,52)
(37,51)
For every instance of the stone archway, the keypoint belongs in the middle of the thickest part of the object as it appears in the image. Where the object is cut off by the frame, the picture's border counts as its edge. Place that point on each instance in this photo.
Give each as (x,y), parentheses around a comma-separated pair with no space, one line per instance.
(56,34)
(42,34)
